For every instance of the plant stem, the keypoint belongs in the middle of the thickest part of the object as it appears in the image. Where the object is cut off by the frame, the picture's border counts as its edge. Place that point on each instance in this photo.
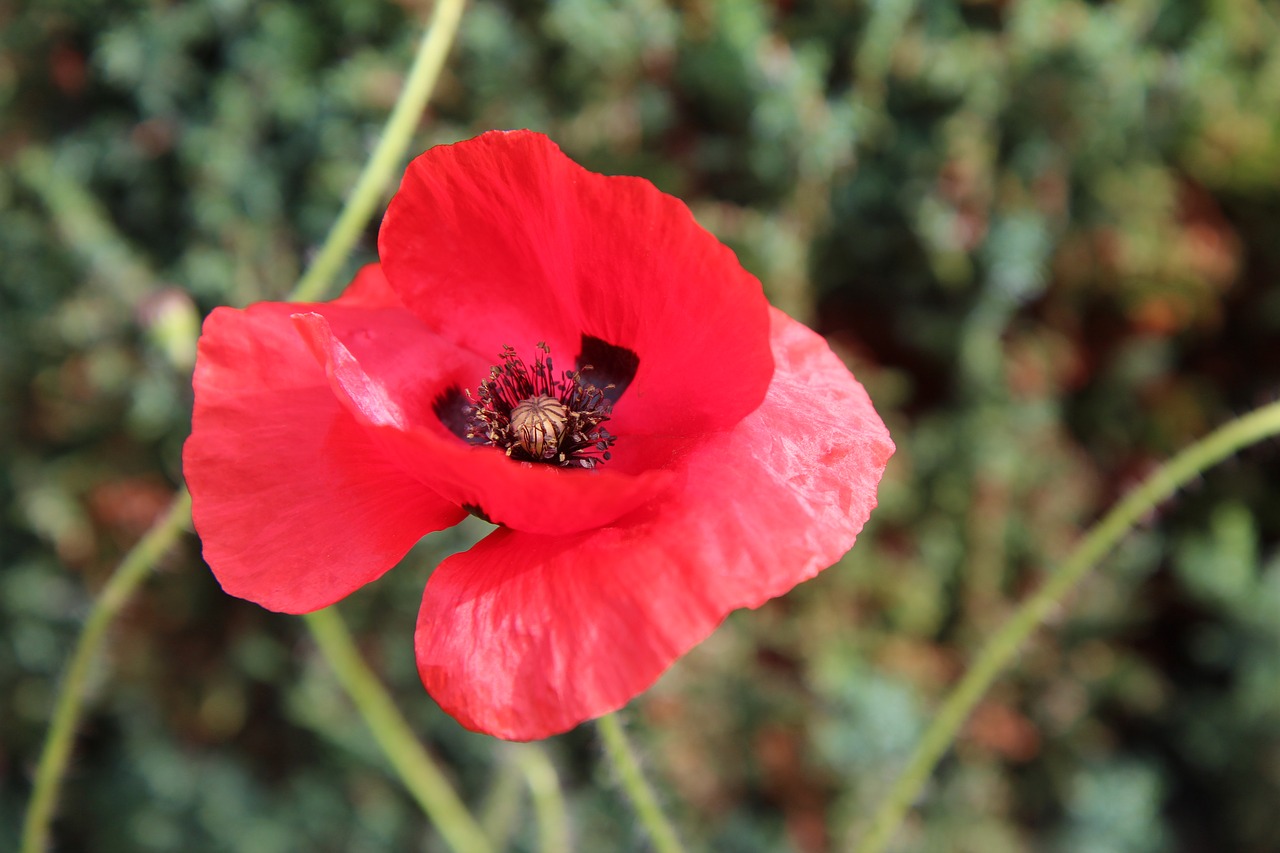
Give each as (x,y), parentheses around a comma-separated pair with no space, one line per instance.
(94,231)
(548,799)
(393,734)
(636,786)
(66,714)
(1004,644)
(387,156)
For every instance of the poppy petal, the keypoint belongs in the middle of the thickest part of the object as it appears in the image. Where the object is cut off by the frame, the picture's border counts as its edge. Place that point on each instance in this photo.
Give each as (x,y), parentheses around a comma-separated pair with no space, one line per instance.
(540,498)
(503,240)
(525,636)
(369,289)
(295,505)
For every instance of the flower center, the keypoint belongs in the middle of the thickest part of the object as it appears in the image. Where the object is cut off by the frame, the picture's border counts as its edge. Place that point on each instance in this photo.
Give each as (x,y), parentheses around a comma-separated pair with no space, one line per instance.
(536,416)
(538,424)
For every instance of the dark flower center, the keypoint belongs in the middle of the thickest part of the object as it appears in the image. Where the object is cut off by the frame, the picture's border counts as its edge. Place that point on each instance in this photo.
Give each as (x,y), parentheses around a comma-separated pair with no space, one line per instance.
(536,416)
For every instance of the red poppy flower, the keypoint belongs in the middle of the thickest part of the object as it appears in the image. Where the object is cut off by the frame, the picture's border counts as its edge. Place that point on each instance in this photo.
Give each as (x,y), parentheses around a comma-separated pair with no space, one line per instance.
(571,357)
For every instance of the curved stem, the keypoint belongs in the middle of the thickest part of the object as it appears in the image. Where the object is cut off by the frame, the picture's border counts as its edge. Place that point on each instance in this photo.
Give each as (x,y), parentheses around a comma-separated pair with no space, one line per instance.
(387,156)
(398,742)
(636,786)
(1004,644)
(133,569)
(70,701)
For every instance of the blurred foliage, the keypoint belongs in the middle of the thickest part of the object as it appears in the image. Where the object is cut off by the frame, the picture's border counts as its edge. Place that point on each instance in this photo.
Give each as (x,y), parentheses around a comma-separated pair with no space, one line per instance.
(1041,232)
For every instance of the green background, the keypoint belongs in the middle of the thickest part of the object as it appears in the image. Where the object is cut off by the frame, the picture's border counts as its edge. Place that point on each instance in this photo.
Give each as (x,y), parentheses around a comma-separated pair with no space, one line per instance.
(1043,234)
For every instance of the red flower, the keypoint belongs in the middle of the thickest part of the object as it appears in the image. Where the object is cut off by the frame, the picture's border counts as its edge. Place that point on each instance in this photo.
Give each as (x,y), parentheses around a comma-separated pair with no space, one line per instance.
(705,452)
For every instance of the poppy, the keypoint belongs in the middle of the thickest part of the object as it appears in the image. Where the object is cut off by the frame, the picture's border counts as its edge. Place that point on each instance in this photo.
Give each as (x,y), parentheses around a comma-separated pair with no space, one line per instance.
(571,357)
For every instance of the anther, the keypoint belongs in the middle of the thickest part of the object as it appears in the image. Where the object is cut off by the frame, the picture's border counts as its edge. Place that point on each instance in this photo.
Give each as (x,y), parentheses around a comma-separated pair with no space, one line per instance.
(535,416)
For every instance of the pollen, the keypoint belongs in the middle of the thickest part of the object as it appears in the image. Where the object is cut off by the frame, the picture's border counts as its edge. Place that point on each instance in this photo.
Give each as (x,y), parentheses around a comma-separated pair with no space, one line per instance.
(535,415)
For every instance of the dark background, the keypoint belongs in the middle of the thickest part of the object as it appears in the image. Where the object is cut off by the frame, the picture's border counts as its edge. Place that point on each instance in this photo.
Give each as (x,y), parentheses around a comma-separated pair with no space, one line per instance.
(1044,235)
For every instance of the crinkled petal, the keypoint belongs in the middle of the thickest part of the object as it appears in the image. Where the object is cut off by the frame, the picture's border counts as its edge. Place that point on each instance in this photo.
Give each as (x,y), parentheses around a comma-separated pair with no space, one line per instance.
(503,240)
(295,504)
(525,636)
(398,414)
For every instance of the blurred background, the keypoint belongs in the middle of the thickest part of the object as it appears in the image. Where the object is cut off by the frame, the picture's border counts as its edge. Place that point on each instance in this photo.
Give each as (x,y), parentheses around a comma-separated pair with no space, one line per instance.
(1044,234)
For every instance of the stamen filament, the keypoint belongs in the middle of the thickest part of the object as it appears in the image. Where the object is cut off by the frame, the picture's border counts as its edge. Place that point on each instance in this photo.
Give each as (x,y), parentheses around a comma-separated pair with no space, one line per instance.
(535,416)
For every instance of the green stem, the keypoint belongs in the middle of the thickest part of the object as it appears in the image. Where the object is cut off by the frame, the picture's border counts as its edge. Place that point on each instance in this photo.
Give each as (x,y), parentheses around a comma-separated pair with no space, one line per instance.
(90,229)
(1004,644)
(636,786)
(70,702)
(393,734)
(387,156)
(548,799)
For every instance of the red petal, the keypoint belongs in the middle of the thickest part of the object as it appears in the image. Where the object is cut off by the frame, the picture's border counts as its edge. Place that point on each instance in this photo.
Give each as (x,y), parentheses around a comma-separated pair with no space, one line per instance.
(503,239)
(526,636)
(295,504)
(369,289)
(393,402)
